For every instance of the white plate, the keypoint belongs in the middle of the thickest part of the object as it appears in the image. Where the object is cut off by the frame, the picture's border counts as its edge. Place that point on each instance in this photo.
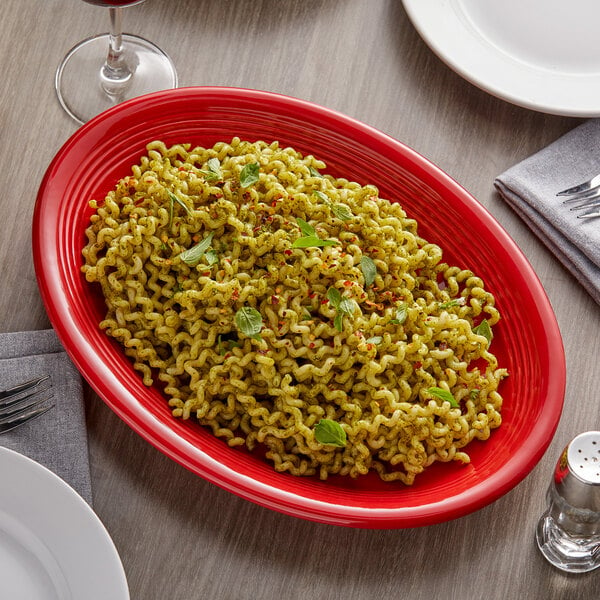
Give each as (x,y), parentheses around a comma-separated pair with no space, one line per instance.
(540,54)
(52,545)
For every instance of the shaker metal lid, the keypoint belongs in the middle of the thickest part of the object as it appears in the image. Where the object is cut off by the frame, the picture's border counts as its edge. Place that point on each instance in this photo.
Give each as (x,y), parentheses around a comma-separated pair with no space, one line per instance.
(583,456)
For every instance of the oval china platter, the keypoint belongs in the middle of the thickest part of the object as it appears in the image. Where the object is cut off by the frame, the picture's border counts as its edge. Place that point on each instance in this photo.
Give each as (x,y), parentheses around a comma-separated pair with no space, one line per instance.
(527,340)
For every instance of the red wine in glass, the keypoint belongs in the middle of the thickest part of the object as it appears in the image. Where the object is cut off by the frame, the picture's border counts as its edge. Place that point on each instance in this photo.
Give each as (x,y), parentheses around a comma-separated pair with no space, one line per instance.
(107,69)
(109,3)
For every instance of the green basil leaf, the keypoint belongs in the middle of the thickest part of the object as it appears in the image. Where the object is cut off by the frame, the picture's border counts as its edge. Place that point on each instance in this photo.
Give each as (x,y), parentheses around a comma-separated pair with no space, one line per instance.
(443,395)
(192,255)
(307,229)
(330,432)
(401,314)
(314,172)
(211,258)
(313,242)
(347,306)
(369,269)
(334,296)
(249,321)
(338,322)
(485,330)
(214,167)
(181,203)
(342,212)
(249,175)
(375,340)
(224,346)
(451,303)
(321,196)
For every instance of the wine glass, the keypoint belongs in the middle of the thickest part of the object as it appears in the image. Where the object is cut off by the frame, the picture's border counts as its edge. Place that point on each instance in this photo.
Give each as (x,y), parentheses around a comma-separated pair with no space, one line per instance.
(106,69)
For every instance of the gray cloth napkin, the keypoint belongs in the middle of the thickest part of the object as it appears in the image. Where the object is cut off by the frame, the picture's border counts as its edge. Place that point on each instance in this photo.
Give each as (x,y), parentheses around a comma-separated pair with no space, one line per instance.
(58,438)
(530,187)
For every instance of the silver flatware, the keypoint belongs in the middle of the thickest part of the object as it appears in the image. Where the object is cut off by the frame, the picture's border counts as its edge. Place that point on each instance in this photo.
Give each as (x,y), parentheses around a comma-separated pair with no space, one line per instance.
(584,198)
(24,402)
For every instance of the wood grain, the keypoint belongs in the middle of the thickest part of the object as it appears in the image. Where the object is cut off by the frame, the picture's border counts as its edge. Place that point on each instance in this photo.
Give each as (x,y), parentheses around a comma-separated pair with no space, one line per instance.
(183,538)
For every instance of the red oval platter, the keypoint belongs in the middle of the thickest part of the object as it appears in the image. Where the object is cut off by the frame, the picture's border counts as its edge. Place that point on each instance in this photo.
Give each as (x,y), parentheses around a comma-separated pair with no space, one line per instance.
(527,340)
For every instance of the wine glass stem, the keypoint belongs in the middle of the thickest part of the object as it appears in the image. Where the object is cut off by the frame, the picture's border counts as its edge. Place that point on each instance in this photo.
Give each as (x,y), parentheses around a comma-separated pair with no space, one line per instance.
(115,72)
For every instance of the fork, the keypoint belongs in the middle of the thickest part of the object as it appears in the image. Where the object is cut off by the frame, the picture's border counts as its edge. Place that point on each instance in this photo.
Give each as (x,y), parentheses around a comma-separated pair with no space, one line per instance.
(585,197)
(24,402)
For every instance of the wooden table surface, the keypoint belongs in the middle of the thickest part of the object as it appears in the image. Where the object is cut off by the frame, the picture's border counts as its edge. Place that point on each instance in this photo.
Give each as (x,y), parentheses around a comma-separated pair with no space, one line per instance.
(179,536)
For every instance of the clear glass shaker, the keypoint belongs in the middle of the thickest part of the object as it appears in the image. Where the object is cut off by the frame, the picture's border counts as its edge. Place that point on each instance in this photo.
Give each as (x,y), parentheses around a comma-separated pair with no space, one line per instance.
(568,533)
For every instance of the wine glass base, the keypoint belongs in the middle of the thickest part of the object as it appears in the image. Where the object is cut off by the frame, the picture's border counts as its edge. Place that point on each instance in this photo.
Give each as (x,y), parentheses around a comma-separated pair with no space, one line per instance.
(79,83)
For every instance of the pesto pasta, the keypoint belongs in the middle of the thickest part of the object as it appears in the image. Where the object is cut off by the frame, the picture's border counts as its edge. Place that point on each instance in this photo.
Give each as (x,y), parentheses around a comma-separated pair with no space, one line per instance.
(290,310)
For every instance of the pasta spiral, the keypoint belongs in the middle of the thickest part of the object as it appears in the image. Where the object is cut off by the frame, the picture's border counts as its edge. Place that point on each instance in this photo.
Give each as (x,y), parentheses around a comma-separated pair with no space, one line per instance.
(272,302)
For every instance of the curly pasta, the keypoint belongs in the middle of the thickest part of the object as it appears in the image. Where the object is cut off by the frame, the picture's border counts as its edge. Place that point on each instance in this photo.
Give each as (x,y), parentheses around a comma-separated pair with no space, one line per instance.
(274,302)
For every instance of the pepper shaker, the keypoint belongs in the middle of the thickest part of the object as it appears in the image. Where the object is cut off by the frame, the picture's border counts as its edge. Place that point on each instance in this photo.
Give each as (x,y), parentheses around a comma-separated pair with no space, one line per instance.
(568,533)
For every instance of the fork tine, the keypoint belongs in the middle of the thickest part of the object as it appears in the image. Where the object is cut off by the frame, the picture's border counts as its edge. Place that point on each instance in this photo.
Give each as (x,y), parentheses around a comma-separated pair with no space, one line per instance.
(590,213)
(14,406)
(19,399)
(23,387)
(23,417)
(587,204)
(583,196)
(594,182)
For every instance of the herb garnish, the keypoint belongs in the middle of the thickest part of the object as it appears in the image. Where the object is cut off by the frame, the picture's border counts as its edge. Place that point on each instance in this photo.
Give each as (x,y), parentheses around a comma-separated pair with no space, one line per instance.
(211,258)
(249,321)
(172,200)
(249,175)
(341,211)
(224,346)
(485,330)
(452,303)
(192,255)
(314,172)
(213,171)
(444,395)
(367,264)
(330,432)
(401,314)
(343,306)
(179,201)
(310,238)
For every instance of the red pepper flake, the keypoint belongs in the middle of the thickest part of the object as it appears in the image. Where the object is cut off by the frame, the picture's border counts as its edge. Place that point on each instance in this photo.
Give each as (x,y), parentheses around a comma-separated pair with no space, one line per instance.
(324,301)
(311,295)
(418,364)
(274,299)
(347,283)
(311,345)
(287,252)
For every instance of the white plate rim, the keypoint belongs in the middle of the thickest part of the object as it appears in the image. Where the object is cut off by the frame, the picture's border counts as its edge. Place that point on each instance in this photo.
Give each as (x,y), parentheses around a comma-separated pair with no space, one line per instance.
(63,523)
(445,28)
